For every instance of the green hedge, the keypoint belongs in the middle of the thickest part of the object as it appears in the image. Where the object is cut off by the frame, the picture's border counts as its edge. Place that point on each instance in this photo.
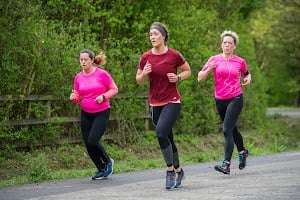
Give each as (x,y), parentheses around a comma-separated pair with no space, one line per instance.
(41,40)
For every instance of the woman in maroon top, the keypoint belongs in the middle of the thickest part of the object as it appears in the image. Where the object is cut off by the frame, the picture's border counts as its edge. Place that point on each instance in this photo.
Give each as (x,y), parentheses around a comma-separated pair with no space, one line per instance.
(160,65)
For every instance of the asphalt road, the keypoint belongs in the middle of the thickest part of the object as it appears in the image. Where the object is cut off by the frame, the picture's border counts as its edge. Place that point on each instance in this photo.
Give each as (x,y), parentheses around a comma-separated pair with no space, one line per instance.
(290,112)
(267,177)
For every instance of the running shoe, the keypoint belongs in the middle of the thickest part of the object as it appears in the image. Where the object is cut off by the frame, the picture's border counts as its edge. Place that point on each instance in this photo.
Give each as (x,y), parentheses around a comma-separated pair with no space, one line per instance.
(170,180)
(99,175)
(180,177)
(242,158)
(109,168)
(224,167)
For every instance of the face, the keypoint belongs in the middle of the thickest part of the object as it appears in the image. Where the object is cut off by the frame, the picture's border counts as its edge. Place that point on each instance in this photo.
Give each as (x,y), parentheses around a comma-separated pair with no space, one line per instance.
(156,38)
(228,45)
(85,61)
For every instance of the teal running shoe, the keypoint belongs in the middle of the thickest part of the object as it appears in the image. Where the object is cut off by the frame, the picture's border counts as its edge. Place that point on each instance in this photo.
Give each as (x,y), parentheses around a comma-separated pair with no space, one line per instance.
(224,167)
(242,158)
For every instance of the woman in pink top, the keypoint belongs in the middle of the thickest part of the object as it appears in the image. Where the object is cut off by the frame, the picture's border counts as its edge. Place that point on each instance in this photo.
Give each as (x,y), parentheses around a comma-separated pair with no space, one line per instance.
(160,65)
(93,87)
(228,69)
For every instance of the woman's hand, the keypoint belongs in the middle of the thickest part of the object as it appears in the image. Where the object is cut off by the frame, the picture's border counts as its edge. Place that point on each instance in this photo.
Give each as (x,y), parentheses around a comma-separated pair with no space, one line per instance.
(247,80)
(141,74)
(147,69)
(212,65)
(202,75)
(74,96)
(173,78)
(100,99)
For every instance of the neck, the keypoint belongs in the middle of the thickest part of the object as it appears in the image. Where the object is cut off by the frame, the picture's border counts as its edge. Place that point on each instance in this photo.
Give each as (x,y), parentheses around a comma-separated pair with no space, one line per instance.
(160,49)
(89,70)
(227,56)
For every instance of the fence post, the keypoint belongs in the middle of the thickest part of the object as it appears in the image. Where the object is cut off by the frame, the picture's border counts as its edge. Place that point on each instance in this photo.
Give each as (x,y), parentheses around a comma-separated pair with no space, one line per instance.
(147,111)
(48,114)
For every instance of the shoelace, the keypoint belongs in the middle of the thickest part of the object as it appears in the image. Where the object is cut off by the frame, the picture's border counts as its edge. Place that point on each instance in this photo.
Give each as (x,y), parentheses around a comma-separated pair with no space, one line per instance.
(180,174)
(225,164)
(170,176)
(242,156)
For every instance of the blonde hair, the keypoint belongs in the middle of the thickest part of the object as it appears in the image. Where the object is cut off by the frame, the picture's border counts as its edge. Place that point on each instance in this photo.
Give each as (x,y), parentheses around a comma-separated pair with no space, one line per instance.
(232,34)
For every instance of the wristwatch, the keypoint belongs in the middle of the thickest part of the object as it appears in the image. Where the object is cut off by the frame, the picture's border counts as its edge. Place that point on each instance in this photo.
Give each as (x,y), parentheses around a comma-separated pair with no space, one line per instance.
(179,77)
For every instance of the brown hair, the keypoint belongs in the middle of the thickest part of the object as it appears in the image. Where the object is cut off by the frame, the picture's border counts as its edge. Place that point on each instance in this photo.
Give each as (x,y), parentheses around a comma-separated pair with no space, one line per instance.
(162,29)
(100,59)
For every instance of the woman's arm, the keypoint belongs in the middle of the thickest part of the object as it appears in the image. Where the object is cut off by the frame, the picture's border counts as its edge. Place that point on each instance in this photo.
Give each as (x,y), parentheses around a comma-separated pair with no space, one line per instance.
(185,71)
(141,74)
(202,75)
(140,77)
(247,80)
(112,91)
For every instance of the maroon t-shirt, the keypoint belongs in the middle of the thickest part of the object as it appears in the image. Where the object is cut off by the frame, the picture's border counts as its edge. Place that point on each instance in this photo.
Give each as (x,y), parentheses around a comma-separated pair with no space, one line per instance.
(161,90)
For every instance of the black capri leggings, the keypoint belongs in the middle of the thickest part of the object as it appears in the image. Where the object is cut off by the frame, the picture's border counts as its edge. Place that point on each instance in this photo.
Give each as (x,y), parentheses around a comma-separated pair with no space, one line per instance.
(164,118)
(93,126)
(229,111)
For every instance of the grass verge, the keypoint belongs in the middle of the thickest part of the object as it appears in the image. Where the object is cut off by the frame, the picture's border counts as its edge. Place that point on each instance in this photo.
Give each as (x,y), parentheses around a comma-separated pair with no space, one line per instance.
(71,161)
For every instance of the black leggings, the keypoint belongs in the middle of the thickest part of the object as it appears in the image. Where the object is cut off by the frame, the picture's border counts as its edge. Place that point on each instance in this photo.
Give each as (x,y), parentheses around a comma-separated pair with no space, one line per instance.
(229,111)
(164,118)
(93,126)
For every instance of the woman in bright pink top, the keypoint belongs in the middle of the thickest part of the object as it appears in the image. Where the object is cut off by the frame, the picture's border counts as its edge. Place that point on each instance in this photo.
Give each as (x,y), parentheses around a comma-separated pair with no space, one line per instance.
(160,65)
(93,87)
(228,70)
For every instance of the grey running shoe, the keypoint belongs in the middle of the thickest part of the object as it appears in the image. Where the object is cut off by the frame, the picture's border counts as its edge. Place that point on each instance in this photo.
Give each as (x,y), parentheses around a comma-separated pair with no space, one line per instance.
(170,180)
(224,167)
(180,177)
(109,168)
(242,158)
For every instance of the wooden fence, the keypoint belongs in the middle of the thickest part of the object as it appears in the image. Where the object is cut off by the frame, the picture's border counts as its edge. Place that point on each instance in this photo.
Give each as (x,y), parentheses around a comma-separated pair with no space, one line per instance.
(62,119)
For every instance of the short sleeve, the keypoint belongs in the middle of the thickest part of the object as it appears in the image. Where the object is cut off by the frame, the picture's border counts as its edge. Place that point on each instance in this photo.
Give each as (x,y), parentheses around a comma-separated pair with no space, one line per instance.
(244,67)
(206,64)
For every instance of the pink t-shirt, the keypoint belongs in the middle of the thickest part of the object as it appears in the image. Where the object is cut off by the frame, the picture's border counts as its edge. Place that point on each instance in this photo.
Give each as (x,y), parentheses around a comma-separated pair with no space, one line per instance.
(227,74)
(91,86)
(161,90)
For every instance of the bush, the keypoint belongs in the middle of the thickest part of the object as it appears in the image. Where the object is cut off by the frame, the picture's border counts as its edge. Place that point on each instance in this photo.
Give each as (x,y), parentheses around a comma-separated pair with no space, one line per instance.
(38,170)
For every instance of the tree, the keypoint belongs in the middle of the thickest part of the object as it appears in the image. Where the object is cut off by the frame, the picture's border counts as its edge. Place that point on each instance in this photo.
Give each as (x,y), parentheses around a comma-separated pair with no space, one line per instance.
(276,33)
(41,40)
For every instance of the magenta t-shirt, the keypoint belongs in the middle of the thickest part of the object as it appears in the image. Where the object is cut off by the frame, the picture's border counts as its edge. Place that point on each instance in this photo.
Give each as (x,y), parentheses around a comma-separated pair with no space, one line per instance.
(227,74)
(161,90)
(91,86)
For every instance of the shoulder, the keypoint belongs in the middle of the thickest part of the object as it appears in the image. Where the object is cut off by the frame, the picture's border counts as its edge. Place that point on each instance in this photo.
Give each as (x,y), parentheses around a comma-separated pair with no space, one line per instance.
(173,51)
(147,53)
(217,57)
(238,58)
(79,74)
(100,70)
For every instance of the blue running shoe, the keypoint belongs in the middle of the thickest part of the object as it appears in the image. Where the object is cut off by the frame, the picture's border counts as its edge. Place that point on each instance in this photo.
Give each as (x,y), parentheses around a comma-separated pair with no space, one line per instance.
(224,167)
(170,180)
(180,177)
(99,175)
(109,168)
(242,158)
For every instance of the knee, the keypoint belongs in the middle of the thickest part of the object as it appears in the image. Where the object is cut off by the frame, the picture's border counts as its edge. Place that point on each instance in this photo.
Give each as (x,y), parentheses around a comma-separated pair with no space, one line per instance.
(91,143)
(163,141)
(161,138)
(227,132)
